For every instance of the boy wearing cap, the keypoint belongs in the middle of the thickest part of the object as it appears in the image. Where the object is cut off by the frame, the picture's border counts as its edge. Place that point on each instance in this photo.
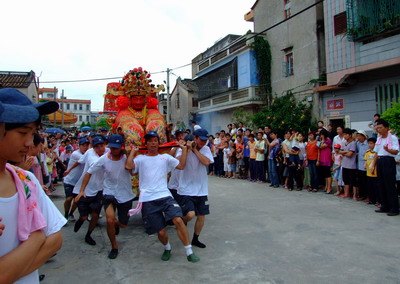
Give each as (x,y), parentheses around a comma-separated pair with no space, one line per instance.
(193,184)
(90,193)
(158,206)
(72,175)
(30,224)
(117,189)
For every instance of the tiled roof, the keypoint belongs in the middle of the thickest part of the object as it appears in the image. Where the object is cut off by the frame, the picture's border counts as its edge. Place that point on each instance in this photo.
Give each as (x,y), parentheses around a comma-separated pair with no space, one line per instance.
(9,79)
(70,101)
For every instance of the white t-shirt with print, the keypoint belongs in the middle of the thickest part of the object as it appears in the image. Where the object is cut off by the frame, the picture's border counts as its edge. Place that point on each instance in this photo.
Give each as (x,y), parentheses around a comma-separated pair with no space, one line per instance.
(193,179)
(117,180)
(153,172)
(73,177)
(96,181)
(9,212)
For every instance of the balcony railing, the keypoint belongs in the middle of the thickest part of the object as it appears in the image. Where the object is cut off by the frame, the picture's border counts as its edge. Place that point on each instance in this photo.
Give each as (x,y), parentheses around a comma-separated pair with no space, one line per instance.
(369,18)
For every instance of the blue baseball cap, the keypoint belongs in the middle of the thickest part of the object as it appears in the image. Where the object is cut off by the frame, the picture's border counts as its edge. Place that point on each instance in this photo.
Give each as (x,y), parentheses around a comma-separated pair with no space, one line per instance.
(97,140)
(69,148)
(18,108)
(201,133)
(115,141)
(188,137)
(151,134)
(104,129)
(83,140)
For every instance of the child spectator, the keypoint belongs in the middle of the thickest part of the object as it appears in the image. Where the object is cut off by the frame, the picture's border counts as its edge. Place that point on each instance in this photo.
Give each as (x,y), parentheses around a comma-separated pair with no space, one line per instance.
(239,156)
(372,176)
(252,161)
(337,168)
(260,157)
(226,151)
(232,160)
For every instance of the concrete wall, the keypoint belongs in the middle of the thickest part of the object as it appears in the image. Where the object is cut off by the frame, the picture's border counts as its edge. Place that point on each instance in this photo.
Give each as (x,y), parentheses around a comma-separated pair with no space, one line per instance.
(247,69)
(380,50)
(183,113)
(299,32)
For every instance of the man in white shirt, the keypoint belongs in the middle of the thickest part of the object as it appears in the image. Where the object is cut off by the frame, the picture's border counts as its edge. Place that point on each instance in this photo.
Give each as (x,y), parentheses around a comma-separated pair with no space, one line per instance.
(90,192)
(117,189)
(386,147)
(338,139)
(158,206)
(20,259)
(195,126)
(72,176)
(193,184)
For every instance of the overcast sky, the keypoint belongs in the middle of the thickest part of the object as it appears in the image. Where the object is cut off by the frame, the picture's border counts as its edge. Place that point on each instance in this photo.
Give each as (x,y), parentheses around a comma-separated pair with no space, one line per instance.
(68,40)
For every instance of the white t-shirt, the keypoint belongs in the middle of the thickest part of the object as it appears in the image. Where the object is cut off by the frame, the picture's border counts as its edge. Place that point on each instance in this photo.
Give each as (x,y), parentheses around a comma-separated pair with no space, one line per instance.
(96,181)
(73,177)
(117,180)
(193,179)
(9,212)
(196,127)
(337,140)
(153,172)
(381,151)
(43,161)
(173,182)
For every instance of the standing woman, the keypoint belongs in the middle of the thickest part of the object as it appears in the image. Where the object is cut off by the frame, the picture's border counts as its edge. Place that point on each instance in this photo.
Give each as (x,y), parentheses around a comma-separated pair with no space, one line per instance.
(325,159)
(312,158)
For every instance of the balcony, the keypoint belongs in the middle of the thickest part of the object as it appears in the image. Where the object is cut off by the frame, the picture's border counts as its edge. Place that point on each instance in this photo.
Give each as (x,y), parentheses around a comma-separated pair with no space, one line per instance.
(247,96)
(368,19)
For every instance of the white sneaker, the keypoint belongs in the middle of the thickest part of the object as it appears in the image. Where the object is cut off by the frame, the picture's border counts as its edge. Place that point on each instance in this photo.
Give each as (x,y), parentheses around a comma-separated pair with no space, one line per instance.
(71,218)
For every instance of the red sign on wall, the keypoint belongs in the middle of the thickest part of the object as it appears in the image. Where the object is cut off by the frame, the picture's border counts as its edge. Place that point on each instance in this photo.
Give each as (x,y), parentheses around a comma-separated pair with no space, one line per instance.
(337,104)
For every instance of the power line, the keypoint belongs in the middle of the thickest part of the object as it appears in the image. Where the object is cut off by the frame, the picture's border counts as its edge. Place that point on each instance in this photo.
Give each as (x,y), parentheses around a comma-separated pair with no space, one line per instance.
(194,62)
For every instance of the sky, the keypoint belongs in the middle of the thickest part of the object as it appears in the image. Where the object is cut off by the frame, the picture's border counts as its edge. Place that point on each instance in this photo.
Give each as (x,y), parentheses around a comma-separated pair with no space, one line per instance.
(76,40)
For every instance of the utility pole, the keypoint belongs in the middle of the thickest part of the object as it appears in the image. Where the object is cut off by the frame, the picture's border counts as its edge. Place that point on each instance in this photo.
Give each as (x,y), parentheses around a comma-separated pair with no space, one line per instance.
(168,106)
(62,109)
(55,99)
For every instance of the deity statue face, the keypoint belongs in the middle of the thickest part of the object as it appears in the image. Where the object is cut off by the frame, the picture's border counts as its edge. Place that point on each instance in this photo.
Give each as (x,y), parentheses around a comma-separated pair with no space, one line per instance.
(138,102)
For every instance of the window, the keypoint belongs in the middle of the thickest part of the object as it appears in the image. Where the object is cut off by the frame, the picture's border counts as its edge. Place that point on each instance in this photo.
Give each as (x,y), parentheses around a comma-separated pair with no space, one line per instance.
(75,107)
(287,66)
(195,102)
(80,107)
(286,9)
(88,107)
(87,118)
(68,106)
(165,110)
(340,23)
(80,118)
(385,95)
(177,102)
(61,106)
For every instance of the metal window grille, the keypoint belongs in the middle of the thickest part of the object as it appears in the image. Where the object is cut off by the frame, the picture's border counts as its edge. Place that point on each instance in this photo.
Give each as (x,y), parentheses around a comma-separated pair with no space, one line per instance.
(368,18)
(385,95)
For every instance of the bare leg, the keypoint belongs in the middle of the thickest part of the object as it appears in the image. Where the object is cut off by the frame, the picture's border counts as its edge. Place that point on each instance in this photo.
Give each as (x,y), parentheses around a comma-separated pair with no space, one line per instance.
(163,236)
(182,230)
(328,184)
(110,214)
(189,216)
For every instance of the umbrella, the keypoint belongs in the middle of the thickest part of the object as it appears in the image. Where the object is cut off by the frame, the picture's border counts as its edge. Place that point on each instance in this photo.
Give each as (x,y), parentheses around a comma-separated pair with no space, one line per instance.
(86,128)
(54,130)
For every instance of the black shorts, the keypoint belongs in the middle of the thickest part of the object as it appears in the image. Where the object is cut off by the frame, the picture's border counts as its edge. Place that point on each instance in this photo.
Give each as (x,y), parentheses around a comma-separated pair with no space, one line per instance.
(157,213)
(122,208)
(68,190)
(325,171)
(349,176)
(89,204)
(198,204)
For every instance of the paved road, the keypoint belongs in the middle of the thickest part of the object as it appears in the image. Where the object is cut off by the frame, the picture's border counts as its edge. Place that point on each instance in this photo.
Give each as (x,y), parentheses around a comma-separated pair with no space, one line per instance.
(254,234)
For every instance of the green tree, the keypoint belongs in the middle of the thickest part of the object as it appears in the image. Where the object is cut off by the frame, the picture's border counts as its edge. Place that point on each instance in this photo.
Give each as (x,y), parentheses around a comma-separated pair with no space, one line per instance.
(240,115)
(83,124)
(102,122)
(263,57)
(392,115)
(285,113)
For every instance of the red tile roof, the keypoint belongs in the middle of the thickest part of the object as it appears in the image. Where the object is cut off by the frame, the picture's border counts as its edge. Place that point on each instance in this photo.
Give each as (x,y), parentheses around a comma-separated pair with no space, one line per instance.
(9,79)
